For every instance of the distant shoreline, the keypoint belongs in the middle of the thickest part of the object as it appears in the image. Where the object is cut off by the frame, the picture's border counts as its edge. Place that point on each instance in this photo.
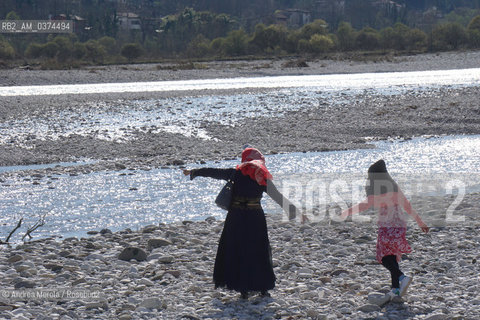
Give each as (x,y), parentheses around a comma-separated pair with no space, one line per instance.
(237,68)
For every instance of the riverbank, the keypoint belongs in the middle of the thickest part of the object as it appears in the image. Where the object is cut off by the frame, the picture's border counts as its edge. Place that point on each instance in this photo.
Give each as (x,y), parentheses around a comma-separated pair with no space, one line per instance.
(240,68)
(324,270)
(318,127)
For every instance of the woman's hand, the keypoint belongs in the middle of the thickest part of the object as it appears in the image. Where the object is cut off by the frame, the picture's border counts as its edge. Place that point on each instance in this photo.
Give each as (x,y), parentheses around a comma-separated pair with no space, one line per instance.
(187,172)
(425,228)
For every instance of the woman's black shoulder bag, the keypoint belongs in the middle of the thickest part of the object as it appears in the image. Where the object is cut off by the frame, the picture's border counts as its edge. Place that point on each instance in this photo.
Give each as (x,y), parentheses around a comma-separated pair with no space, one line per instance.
(224,198)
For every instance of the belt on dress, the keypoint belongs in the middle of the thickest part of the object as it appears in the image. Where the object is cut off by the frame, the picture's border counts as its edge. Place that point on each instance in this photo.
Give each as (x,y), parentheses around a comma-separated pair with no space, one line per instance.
(246,203)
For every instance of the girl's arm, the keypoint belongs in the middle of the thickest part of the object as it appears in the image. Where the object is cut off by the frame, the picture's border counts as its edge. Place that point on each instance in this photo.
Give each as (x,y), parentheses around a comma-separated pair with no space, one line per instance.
(408,208)
(360,207)
(221,174)
(286,204)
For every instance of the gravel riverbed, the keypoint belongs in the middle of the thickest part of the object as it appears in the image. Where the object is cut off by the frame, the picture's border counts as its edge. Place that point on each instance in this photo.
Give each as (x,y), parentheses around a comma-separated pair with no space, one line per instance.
(324,270)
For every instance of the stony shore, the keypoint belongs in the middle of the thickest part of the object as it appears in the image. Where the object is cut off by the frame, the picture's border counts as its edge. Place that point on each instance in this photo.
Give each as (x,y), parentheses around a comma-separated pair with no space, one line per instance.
(324,270)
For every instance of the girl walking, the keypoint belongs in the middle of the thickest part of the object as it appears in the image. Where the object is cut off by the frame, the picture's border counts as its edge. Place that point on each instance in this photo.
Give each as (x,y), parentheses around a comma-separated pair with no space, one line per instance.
(243,262)
(384,194)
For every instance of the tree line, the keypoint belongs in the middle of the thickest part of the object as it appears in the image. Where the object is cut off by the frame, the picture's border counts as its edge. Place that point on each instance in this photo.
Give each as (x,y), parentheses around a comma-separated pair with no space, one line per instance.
(202,34)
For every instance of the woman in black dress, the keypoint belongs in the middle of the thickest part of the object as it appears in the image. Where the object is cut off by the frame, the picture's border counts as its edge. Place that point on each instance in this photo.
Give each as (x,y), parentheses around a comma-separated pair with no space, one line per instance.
(244,262)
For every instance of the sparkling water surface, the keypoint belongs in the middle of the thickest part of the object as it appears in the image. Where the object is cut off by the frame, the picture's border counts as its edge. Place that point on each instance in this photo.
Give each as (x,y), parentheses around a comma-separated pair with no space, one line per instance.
(121,120)
(117,200)
(132,199)
(411,79)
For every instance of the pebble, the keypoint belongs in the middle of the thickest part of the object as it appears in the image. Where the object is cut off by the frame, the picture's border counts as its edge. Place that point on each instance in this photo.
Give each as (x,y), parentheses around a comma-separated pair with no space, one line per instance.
(133,253)
(152,303)
(157,243)
(369,308)
(166,259)
(15,258)
(175,280)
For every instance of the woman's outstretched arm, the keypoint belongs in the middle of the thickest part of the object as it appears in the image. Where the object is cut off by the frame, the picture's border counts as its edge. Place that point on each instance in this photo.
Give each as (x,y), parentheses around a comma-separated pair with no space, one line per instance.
(221,174)
(283,202)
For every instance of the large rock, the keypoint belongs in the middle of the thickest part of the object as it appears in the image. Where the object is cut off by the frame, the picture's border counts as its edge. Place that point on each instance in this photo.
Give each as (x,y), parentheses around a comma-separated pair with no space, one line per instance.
(152,303)
(25,284)
(103,303)
(132,253)
(165,259)
(378,298)
(15,258)
(305,272)
(157,243)
(149,229)
(53,266)
(369,308)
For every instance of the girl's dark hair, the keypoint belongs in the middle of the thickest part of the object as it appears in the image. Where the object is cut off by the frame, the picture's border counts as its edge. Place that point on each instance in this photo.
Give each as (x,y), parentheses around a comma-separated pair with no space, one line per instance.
(379,181)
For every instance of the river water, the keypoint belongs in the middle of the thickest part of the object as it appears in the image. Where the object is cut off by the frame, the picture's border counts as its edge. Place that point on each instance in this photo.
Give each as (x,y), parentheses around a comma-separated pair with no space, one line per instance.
(384,80)
(117,200)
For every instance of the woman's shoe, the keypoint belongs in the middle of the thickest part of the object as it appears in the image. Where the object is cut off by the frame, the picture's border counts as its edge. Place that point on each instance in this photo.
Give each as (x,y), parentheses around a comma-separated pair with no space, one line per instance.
(244,295)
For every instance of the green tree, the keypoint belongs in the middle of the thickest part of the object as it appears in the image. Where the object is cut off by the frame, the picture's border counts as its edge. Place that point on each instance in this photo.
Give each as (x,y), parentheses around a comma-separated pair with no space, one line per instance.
(394,38)
(131,51)
(34,50)
(109,43)
(320,43)
(387,38)
(198,47)
(235,43)
(316,27)
(416,39)
(6,50)
(217,45)
(368,39)
(95,52)
(12,15)
(346,36)
(65,48)
(50,49)
(474,23)
(473,30)
(449,36)
(177,31)
(79,50)
(291,41)
(303,46)
(268,38)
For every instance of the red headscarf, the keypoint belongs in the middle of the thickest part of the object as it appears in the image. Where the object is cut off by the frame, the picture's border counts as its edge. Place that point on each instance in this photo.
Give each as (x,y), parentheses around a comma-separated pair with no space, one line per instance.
(253,165)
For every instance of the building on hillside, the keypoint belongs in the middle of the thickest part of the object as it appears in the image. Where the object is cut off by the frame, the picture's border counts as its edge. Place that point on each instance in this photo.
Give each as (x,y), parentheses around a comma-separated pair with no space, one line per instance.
(388,5)
(129,21)
(293,18)
(79,23)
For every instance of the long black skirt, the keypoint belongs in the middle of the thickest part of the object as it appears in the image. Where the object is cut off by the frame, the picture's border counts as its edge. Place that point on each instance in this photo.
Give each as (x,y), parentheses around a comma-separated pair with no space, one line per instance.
(244,260)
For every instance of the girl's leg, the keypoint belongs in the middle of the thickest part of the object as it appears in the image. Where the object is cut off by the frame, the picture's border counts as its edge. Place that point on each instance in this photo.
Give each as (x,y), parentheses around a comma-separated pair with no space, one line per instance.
(390,262)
